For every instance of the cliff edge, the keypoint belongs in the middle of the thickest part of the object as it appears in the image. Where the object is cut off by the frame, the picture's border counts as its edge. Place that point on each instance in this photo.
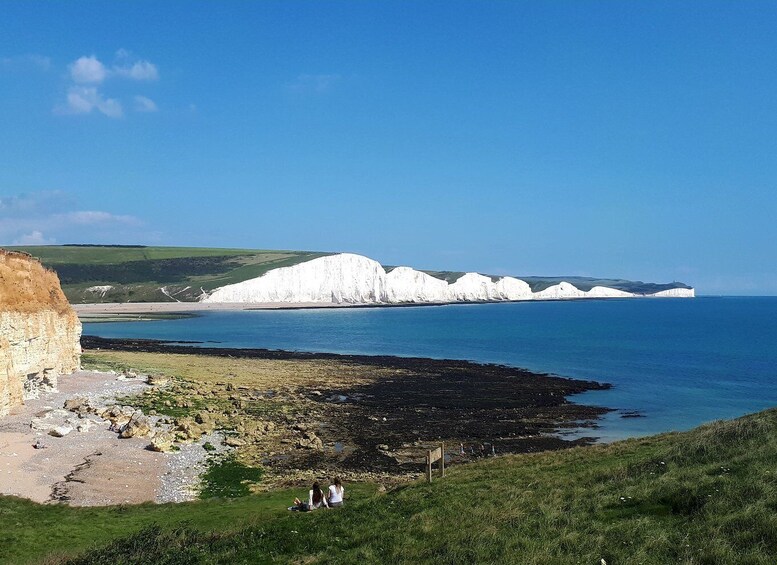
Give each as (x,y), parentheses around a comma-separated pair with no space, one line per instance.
(347,278)
(39,331)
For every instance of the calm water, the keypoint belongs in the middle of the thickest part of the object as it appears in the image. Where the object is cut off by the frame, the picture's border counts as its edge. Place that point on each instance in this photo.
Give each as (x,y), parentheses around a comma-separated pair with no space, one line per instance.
(678,362)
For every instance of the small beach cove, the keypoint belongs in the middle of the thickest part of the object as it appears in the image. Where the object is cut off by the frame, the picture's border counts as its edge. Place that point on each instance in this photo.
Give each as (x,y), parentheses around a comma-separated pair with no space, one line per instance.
(89,465)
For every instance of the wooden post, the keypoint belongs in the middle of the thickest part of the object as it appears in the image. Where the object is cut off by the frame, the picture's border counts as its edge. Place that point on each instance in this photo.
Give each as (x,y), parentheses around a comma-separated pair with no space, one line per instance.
(432,456)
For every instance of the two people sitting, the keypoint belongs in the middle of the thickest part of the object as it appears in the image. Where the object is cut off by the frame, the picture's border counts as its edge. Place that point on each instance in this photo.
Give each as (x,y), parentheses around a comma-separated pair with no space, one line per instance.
(317,498)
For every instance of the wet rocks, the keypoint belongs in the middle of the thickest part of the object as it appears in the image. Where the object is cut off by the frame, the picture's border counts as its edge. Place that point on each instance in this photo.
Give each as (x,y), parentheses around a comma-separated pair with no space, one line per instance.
(157,380)
(205,419)
(255,430)
(310,440)
(188,429)
(233,441)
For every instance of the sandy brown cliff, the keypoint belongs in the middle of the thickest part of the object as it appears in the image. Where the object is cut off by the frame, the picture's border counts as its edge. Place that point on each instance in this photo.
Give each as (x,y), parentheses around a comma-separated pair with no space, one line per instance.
(39,331)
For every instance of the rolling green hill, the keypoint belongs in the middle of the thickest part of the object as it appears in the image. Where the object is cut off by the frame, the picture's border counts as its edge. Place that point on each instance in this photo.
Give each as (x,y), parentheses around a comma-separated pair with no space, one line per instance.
(138,273)
(708,496)
(165,274)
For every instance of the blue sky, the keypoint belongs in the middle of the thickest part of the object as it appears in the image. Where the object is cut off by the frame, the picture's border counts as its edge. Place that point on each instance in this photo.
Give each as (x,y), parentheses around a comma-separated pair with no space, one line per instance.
(623,139)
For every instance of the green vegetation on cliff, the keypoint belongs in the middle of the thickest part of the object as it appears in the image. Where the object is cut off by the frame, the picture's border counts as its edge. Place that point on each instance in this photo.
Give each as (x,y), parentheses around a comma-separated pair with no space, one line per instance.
(706,496)
(139,273)
(165,274)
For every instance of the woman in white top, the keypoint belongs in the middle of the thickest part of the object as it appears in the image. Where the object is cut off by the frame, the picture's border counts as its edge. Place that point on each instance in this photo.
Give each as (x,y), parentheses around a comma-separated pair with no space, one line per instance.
(316,499)
(336,493)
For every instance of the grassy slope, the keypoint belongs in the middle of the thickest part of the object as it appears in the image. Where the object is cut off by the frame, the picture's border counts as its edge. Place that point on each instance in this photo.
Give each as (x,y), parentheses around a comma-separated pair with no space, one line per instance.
(705,496)
(29,532)
(137,273)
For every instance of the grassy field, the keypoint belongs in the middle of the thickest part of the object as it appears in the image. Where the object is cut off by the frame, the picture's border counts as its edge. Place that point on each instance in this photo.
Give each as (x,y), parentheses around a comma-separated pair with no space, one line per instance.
(708,496)
(137,273)
(35,533)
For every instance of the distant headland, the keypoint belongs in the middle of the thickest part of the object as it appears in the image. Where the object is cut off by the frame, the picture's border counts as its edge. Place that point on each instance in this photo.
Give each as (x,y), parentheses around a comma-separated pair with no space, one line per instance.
(138,274)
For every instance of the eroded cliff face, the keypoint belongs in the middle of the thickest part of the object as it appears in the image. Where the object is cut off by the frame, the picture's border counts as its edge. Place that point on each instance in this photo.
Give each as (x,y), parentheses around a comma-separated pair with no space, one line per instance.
(353,279)
(39,331)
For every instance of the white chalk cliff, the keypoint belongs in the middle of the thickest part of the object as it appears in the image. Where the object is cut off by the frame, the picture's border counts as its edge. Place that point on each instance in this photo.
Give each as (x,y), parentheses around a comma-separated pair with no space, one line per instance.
(354,279)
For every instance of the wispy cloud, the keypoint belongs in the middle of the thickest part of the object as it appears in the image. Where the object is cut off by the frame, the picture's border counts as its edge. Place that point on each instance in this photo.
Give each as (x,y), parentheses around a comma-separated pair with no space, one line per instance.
(90,70)
(313,84)
(84,99)
(88,75)
(35,203)
(144,104)
(45,217)
(31,61)
(33,238)
(94,217)
(141,70)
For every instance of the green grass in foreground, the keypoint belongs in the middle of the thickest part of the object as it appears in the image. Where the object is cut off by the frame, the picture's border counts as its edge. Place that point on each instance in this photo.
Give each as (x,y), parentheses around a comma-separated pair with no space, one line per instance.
(702,497)
(35,533)
(228,478)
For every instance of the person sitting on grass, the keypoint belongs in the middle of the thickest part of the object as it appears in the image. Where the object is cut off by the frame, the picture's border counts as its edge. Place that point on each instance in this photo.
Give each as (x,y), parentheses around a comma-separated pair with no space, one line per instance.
(316,499)
(336,493)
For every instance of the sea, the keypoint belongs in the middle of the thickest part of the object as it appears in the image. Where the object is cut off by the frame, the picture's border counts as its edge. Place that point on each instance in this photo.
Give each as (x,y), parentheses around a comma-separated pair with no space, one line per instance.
(676,363)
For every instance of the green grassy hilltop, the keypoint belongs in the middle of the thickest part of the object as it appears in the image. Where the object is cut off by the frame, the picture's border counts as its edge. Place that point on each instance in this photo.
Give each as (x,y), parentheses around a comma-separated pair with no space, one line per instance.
(165,274)
(708,496)
(138,273)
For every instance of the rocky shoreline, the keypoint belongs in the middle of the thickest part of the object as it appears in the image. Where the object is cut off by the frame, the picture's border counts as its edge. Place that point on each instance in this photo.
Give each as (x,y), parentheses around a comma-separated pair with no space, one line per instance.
(373,416)
(81,445)
(365,417)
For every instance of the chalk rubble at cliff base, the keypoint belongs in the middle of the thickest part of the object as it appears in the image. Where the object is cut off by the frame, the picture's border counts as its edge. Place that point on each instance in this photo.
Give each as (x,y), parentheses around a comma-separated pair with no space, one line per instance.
(354,279)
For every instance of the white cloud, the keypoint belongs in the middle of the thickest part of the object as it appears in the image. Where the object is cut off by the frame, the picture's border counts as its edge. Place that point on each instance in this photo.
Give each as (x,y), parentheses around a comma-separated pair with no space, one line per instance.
(318,84)
(143,104)
(141,70)
(34,203)
(88,70)
(93,217)
(24,219)
(88,74)
(84,99)
(33,238)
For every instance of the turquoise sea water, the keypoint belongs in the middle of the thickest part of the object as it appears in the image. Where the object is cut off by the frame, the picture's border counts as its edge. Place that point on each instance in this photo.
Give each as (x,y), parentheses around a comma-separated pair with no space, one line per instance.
(679,362)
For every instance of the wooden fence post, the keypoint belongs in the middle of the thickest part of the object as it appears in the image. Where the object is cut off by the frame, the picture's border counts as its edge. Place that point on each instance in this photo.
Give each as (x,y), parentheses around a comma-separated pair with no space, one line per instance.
(442,459)
(429,466)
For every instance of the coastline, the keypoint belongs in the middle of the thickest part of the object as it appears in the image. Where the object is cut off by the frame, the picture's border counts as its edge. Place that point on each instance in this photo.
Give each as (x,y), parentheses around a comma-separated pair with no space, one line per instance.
(98,309)
(90,465)
(302,415)
(369,418)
